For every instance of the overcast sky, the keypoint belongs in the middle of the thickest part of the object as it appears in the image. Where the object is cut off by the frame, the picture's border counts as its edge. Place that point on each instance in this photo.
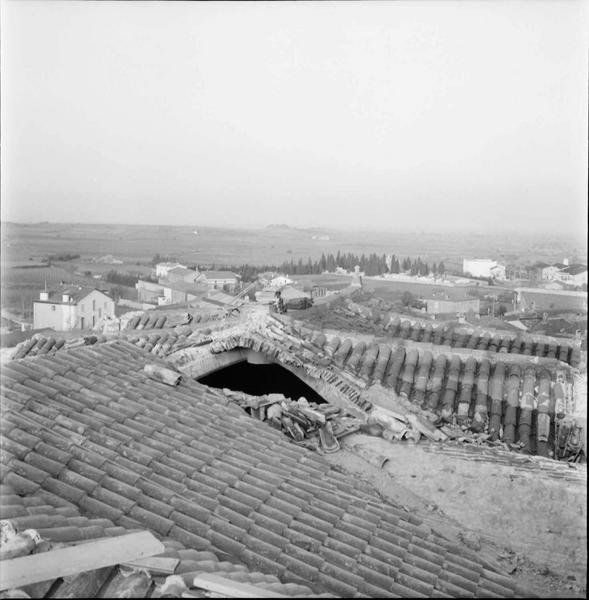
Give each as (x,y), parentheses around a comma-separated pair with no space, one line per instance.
(389,115)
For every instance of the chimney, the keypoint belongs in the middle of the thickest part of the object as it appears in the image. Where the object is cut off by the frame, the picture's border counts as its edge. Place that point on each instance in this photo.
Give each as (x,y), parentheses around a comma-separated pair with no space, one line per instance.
(65,298)
(44,295)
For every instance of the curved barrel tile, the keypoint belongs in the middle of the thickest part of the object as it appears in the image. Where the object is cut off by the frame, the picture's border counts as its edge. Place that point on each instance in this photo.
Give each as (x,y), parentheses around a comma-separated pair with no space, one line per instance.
(355,358)
(408,373)
(382,362)
(394,326)
(484,341)
(416,332)
(497,381)
(438,334)
(481,416)
(405,329)
(436,382)
(332,346)
(425,363)
(428,332)
(545,413)
(342,352)
(526,407)
(395,366)
(509,423)
(368,362)
(451,388)
(465,397)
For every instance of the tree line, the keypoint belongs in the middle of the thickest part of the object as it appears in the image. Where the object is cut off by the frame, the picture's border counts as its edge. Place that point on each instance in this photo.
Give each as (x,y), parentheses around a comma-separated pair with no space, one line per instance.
(371,264)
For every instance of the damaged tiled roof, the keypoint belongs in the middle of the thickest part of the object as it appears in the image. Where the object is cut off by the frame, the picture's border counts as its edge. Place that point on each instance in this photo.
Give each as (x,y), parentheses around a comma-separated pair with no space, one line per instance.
(514,399)
(58,521)
(88,426)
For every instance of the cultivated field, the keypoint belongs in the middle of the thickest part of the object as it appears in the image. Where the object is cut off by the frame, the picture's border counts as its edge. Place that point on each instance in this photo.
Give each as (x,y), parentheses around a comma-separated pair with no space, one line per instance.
(272,245)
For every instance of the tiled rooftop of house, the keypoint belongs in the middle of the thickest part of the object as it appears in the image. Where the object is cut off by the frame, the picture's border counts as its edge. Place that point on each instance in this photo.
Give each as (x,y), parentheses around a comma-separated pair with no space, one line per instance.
(59,524)
(87,428)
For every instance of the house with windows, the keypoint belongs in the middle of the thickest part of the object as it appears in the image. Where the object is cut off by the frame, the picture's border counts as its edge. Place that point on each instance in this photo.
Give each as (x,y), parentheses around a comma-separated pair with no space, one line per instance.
(575,275)
(542,271)
(220,280)
(483,267)
(162,269)
(70,308)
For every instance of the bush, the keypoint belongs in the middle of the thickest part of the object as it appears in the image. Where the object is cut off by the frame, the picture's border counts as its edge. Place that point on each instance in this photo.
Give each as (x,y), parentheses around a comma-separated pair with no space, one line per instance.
(121,278)
(408,299)
(64,256)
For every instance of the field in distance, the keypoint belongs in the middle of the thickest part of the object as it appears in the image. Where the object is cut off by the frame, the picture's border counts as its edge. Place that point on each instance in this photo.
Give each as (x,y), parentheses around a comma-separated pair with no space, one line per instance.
(272,245)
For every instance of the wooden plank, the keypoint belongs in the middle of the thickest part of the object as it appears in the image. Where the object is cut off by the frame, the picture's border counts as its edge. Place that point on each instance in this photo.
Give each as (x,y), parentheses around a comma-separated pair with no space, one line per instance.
(68,561)
(232,589)
(155,564)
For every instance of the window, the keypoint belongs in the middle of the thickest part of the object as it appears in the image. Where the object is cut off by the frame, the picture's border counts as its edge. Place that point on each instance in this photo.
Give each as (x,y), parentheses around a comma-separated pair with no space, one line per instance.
(105,305)
(82,307)
(93,304)
(99,313)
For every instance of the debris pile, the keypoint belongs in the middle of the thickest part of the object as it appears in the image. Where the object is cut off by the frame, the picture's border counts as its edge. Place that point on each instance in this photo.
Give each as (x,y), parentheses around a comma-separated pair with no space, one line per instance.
(315,426)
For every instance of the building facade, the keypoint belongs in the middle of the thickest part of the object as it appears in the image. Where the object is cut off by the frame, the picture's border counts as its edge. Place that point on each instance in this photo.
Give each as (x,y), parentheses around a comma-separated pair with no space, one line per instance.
(77,308)
(483,267)
(162,269)
(438,306)
(575,275)
(538,299)
(220,280)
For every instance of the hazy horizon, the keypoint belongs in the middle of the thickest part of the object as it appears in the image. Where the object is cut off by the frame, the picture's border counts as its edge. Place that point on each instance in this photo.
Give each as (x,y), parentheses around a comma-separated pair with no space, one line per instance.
(572,237)
(439,117)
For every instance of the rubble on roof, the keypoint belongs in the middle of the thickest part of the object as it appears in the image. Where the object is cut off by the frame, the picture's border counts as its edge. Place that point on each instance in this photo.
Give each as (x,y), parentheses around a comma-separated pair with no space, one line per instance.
(314,426)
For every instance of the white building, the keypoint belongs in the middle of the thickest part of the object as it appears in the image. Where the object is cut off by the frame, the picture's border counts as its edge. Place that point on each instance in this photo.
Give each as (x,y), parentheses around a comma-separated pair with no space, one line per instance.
(220,280)
(71,308)
(573,275)
(161,269)
(483,267)
(280,281)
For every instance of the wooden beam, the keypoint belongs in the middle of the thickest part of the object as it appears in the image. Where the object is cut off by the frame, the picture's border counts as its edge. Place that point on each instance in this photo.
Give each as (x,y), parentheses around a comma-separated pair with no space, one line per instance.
(64,562)
(231,589)
(155,564)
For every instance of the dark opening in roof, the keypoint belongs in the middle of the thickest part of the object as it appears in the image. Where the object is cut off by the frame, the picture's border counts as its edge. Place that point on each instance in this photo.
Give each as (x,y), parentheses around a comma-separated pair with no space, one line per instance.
(259,380)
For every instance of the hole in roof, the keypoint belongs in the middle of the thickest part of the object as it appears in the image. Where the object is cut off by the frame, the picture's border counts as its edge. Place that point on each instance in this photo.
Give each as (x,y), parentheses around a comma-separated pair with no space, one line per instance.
(258,380)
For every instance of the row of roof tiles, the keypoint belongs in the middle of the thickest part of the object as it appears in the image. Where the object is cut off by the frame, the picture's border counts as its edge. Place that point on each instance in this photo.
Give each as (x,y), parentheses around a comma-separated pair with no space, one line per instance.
(89,427)
(446,335)
(60,522)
